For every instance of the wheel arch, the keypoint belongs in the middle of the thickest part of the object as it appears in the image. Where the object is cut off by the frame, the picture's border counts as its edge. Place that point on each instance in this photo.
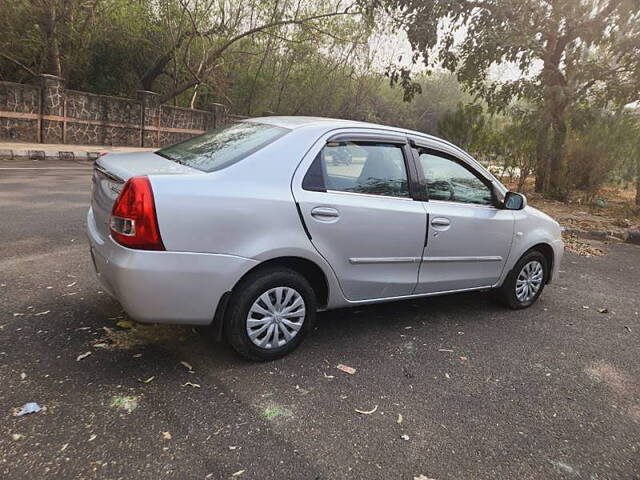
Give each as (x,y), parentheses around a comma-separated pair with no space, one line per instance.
(305,267)
(547,251)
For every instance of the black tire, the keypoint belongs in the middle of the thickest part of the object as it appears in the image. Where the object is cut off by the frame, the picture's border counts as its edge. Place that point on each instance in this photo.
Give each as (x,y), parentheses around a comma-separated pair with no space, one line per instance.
(247,292)
(507,292)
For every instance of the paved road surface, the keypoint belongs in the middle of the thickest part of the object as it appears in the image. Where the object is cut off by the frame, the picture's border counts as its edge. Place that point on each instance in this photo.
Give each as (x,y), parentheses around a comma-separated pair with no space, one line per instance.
(550,392)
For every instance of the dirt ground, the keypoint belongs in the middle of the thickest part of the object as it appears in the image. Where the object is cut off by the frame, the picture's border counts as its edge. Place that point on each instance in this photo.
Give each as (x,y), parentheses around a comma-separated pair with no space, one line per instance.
(613,210)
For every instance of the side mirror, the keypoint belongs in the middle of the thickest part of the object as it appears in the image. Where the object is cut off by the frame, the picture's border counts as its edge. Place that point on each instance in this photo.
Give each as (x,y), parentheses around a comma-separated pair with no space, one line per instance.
(514,201)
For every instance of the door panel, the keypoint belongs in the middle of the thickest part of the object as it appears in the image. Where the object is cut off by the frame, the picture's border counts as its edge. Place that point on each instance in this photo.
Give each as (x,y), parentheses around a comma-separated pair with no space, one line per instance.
(469,252)
(355,201)
(374,244)
(468,238)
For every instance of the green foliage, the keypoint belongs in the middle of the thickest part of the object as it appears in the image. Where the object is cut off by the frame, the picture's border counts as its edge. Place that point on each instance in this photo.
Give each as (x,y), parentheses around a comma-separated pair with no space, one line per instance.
(467,127)
(602,146)
(567,52)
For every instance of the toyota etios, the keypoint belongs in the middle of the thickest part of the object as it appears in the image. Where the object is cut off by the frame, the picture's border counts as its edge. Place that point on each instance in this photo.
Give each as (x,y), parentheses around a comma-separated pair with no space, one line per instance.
(256,225)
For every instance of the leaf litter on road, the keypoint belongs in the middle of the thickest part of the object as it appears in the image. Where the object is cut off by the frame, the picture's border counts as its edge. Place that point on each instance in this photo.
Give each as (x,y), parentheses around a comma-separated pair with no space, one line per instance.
(346,369)
(82,356)
(187,365)
(367,412)
(191,384)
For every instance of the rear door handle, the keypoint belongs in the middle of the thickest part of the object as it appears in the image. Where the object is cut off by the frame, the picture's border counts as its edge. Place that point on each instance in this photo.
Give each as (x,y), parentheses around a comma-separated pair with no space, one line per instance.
(440,222)
(324,213)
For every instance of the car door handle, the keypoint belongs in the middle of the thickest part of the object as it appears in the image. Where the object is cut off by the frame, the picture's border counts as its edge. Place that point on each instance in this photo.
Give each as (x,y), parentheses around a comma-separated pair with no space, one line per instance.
(324,213)
(440,222)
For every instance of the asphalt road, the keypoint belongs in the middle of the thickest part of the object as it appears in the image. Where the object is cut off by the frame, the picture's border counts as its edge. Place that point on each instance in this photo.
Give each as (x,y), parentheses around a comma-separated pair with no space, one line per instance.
(549,392)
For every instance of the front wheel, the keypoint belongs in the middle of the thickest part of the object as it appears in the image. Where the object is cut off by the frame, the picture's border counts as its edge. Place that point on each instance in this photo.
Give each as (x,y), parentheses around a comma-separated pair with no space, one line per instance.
(269,314)
(525,282)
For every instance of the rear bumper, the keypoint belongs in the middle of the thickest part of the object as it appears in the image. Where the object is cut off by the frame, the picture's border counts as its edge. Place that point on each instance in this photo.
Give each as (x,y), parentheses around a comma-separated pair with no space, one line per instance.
(164,287)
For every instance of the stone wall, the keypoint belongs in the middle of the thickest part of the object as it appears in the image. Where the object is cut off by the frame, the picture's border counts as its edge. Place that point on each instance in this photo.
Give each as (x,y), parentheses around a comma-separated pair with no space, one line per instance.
(47,112)
(18,102)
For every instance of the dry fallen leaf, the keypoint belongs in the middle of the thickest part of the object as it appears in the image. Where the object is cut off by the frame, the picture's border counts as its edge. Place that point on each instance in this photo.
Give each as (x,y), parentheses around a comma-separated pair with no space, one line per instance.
(187,365)
(41,313)
(400,419)
(239,472)
(125,324)
(367,412)
(346,369)
(82,356)
(603,310)
(573,245)
(190,384)
(166,435)
(148,380)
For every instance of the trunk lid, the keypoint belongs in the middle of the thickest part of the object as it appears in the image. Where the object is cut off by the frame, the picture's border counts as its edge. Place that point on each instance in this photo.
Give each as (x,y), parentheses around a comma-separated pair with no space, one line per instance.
(113,170)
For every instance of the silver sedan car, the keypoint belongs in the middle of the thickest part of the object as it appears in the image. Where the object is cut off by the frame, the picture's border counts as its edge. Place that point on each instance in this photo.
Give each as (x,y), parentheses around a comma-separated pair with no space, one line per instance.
(253,227)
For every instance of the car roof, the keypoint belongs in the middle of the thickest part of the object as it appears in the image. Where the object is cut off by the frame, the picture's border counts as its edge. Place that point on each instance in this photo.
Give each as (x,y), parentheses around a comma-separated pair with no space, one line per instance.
(293,122)
(328,124)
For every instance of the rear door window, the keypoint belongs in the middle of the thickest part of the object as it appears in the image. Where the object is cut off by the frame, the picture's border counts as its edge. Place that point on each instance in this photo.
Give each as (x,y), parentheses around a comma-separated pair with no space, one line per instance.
(359,167)
(223,146)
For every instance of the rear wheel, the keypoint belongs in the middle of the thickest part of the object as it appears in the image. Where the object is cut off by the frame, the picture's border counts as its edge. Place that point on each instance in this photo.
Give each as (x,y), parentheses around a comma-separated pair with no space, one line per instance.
(525,282)
(269,313)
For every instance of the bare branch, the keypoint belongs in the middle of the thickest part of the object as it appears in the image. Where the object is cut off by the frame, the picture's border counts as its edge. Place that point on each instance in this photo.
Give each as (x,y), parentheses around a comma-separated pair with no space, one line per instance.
(18,63)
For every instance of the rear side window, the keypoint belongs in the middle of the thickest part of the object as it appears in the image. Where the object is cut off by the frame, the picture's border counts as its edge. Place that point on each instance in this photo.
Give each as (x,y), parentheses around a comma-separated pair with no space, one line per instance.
(359,167)
(223,146)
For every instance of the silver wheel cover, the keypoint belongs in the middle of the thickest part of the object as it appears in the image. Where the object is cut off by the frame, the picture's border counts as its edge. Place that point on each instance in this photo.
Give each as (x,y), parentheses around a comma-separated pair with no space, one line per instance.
(276,317)
(529,281)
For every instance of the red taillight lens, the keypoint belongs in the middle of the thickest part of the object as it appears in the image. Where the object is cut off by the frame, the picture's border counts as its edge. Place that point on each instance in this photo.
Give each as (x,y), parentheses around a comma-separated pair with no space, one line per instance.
(133,220)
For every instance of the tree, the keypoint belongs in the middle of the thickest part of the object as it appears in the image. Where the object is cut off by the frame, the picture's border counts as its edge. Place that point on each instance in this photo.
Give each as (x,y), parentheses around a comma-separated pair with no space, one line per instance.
(566,51)
(466,126)
(202,32)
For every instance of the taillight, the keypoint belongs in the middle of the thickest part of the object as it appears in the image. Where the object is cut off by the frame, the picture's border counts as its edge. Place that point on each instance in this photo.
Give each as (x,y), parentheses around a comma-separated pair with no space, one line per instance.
(133,220)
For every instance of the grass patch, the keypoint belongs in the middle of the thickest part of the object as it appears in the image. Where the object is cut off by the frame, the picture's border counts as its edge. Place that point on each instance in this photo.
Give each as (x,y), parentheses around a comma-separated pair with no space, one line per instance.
(273,412)
(128,403)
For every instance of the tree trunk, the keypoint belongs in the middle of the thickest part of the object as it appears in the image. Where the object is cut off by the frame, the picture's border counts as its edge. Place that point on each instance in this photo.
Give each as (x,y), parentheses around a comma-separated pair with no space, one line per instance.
(556,102)
(157,69)
(638,184)
(558,166)
(47,24)
(542,159)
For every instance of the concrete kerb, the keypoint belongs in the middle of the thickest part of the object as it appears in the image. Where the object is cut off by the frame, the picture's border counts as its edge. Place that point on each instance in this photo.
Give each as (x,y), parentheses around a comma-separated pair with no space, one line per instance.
(13,154)
(62,152)
(626,236)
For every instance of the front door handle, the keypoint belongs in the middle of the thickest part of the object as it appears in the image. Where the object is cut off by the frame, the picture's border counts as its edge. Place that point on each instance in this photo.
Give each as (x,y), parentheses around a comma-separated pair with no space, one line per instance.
(440,222)
(325,213)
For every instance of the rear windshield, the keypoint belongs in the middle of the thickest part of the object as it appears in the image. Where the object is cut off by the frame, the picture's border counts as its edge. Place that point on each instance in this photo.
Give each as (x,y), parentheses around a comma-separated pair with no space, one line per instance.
(222,146)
